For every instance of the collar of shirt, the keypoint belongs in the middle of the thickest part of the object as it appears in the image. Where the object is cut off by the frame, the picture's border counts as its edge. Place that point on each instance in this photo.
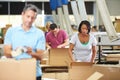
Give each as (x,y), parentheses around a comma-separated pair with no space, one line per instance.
(32,29)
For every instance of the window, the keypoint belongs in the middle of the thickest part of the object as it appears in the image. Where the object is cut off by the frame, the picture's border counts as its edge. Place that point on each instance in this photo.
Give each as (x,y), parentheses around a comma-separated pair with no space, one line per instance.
(38,4)
(47,8)
(89,7)
(3,8)
(16,7)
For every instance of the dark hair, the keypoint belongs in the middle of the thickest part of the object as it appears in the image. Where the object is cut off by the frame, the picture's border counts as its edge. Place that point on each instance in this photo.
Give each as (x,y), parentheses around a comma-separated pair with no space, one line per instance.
(53,26)
(85,22)
(30,7)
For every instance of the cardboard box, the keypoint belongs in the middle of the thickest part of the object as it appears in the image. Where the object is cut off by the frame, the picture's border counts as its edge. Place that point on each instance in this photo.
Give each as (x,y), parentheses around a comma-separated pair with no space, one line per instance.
(11,69)
(48,75)
(59,57)
(80,71)
(117,26)
(88,71)
(1,40)
(116,47)
(113,57)
(3,30)
(110,72)
(56,76)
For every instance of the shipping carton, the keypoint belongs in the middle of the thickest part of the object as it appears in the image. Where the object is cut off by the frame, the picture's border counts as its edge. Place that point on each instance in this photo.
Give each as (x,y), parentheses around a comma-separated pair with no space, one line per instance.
(110,72)
(11,69)
(89,71)
(113,57)
(55,76)
(80,71)
(59,57)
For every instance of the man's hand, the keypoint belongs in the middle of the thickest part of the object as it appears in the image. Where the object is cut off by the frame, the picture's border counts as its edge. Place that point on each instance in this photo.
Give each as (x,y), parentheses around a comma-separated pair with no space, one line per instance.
(48,47)
(59,46)
(28,50)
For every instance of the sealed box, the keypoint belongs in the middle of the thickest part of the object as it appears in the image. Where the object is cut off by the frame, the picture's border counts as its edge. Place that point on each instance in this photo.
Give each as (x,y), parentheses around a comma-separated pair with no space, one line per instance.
(24,69)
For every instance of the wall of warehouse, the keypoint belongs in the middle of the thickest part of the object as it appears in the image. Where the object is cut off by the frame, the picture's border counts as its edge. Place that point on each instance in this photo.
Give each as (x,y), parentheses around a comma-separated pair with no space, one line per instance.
(10,12)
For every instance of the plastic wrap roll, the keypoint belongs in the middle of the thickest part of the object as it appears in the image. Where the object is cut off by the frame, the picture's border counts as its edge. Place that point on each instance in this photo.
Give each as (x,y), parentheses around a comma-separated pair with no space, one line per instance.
(106,20)
(54,16)
(75,12)
(60,14)
(67,20)
(61,18)
(82,9)
(66,16)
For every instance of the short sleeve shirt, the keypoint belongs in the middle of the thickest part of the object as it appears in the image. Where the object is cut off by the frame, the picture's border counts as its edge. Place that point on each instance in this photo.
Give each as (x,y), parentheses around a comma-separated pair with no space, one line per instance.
(83,52)
(34,38)
(55,41)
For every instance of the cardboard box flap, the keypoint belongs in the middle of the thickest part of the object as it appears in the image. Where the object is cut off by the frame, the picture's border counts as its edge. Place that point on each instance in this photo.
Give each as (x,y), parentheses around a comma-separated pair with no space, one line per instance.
(59,57)
(81,64)
(88,71)
(24,69)
(95,76)
(114,66)
(80,70)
